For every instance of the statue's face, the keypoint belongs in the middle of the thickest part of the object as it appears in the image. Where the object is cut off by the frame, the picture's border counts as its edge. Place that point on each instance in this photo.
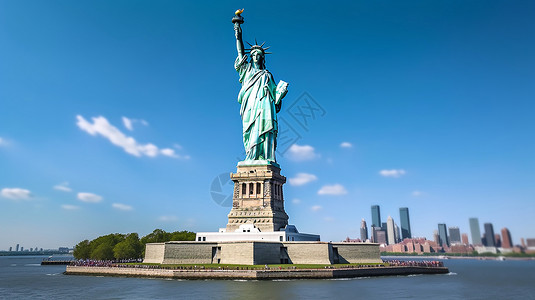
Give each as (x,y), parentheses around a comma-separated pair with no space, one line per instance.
(257,57)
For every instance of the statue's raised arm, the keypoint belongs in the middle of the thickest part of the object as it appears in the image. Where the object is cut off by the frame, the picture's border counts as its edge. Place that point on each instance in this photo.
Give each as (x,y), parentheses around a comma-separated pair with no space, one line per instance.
(238,20)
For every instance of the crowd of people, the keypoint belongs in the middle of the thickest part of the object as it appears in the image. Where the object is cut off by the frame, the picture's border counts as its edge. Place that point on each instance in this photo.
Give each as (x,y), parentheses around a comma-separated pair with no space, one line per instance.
(414,263)
(103,263)
(135,263)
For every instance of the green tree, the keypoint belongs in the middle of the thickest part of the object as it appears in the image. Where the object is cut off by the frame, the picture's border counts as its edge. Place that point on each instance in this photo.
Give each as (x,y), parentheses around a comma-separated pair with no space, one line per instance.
(131,247)
(182,236)
(124,246)
(157,236)
(82,250)
(102,247)
(103,251)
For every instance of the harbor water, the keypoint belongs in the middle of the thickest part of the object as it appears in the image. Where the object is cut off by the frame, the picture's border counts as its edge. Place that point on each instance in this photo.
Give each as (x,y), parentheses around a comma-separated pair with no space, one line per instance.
(22,277)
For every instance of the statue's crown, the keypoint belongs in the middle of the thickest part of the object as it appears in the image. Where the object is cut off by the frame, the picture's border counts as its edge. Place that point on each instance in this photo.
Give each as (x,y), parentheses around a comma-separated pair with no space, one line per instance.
(257,47)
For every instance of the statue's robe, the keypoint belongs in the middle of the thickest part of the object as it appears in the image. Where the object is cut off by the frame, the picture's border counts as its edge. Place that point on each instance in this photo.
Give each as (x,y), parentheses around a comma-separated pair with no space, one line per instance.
(259,107)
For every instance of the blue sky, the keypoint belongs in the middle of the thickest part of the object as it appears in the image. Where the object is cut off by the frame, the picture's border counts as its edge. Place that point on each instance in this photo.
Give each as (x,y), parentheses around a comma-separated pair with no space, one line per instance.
(116,116)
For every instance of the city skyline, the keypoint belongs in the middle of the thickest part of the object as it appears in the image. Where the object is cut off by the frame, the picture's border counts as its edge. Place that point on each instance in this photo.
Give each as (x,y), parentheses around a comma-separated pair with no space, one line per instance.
(107,110)
(449,234)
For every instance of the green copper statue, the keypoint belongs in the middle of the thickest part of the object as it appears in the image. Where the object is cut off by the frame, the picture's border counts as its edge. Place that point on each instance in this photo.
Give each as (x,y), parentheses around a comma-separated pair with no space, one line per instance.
(260,100)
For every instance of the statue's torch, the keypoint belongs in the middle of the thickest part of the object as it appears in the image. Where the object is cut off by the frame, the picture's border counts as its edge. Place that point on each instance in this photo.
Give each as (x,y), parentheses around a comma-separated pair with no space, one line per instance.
(237,17)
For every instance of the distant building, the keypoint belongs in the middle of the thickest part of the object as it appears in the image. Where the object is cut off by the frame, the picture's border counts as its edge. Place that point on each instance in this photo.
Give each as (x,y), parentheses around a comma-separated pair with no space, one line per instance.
(460,248)
(531,244)
(507,242)
(10,248)
(489,235)
(363,231)
(464,239)
(21,248)
(436,238)
(405,223)
(397,233)
(376,216)
(443,235)
(385,229)
(497,240)
(381,237)
(390,231)
(455,235)
(373,235)
(17,248)
(476,233)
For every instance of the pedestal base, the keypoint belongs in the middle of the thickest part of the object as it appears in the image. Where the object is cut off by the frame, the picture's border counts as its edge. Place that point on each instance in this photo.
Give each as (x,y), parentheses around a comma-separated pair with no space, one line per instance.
(258,198)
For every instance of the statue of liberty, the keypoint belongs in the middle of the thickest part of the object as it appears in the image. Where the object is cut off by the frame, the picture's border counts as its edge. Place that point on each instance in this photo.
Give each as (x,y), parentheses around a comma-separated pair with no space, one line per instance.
(260,100)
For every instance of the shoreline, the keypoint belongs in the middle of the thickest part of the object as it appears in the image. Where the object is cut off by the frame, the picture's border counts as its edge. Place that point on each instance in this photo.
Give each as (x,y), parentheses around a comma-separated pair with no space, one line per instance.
(254,274)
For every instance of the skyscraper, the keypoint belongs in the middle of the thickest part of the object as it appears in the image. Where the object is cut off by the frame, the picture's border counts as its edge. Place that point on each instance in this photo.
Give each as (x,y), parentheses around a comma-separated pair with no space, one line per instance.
(443,235)
(455,235)
(17,247)
(363,231)
(464,238)
(436,238)
(474,230)
(397,233)
(385,229)
(497,240)
(376,216)
(489,235)
(507,242)
(405,223)
(390,231)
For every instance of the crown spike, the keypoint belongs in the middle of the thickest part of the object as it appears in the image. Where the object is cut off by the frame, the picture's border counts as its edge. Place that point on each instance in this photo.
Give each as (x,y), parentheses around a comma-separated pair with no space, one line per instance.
(249,44)
(262,44)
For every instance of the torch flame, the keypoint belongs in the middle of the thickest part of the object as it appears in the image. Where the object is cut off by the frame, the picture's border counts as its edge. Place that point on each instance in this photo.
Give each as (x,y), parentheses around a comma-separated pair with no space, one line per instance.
(238,12)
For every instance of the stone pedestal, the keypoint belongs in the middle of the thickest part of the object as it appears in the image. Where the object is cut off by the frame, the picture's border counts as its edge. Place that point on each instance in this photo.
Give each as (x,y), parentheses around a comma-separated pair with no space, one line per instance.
(258,198)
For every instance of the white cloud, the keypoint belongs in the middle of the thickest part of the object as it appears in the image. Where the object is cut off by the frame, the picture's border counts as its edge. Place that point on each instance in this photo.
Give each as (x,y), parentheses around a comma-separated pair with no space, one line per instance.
(172,153)
(121,206)
(316,207)
(69,207)
(328,219)
(2,141)
(128,123)
(168,218)
(392,173)
(302,179)
(417,193)
(296,201)
(301,153)
(346,145)
(16,193)
(168,152)
(102,127)
(335,189)
(89,197)
(63,187)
